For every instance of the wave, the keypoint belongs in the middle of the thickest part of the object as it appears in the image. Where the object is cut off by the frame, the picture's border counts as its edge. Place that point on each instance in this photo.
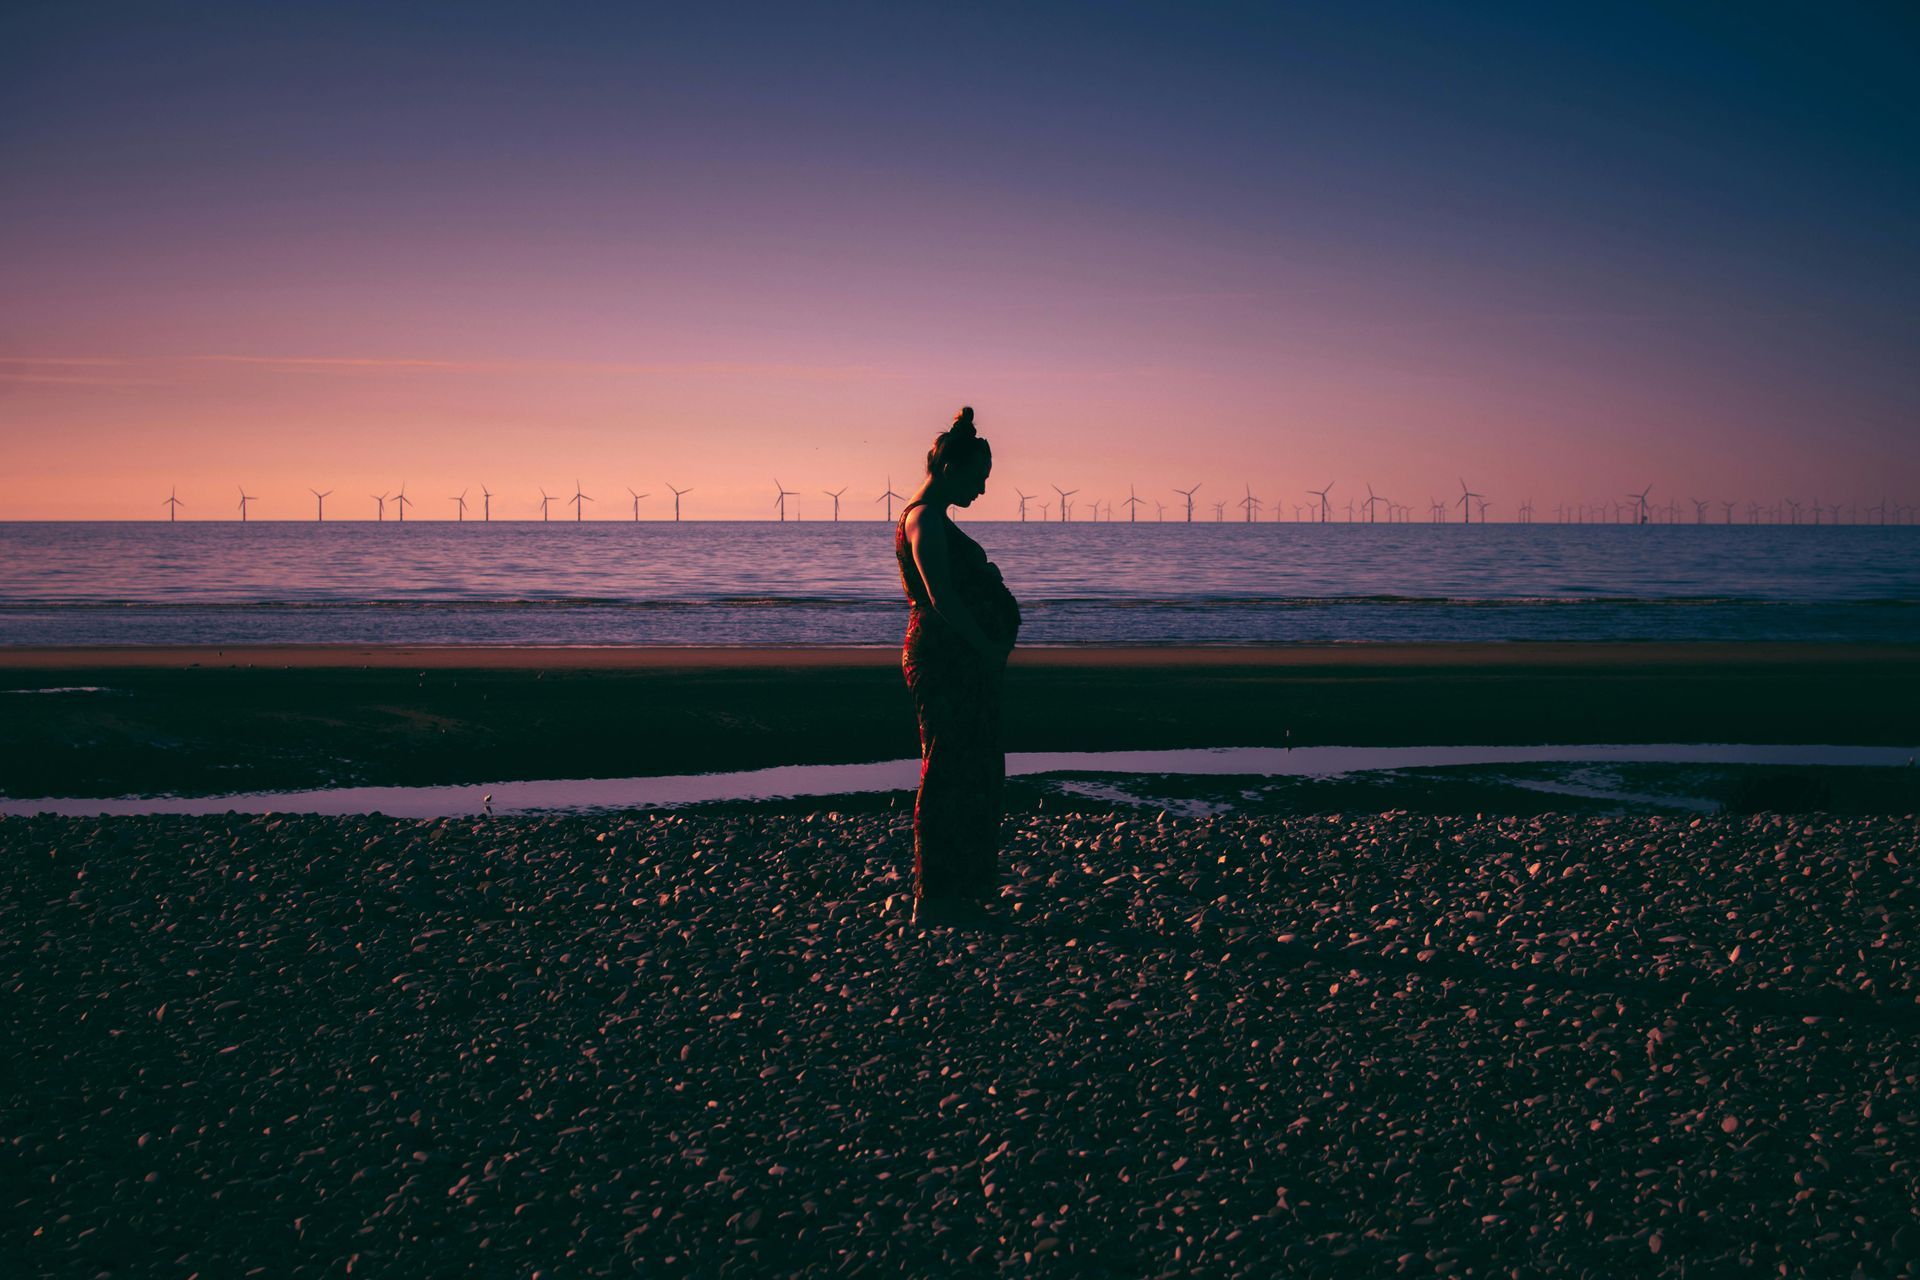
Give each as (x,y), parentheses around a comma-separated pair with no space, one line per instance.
(897,604)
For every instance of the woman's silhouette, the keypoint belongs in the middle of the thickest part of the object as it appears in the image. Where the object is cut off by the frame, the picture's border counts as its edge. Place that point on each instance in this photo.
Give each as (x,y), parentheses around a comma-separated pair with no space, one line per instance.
(960,630)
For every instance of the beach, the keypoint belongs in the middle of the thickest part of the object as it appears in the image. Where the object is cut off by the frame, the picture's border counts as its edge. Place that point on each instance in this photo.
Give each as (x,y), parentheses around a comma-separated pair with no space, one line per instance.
(712,1044)
(226,719)
(1344,1039)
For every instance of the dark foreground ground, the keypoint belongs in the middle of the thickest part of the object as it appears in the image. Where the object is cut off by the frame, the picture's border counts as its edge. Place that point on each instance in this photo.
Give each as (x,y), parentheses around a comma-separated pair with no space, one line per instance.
(710,1044)
(209,721)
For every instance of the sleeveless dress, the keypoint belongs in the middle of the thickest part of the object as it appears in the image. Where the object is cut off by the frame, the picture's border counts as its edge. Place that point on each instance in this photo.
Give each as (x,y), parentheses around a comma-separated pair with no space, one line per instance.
(956,696)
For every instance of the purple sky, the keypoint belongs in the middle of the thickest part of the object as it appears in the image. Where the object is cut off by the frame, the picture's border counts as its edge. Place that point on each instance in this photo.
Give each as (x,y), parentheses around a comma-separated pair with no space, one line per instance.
(1564,253)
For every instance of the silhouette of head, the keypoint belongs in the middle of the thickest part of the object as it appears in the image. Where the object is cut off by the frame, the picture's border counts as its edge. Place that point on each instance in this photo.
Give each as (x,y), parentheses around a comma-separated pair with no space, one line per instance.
(960,460)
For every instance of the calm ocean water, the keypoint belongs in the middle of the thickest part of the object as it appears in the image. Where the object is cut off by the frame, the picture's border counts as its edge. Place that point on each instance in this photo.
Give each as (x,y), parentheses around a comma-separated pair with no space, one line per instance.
(746,583)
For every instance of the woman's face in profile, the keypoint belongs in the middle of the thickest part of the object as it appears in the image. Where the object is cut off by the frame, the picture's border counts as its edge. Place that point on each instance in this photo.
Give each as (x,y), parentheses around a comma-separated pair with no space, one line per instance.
(970,481)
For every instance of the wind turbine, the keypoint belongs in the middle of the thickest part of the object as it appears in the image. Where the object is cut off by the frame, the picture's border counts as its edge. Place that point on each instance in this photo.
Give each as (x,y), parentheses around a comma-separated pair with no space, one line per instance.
(1188,495)
(403,501)
(1322,495)
(579,501)
(890,497)
(781,501)
(636,503)
(836,501)
(1025,498)
(1465,494)
(486,505)
(1064,495)
(245,498)
(319,504)
(1160,511)
(1251,503)
(1219,511)
(545,498)
(676,502)
(1640,500)
(460,506)
(380,498)
(1372,509)
(173,503)
(1132,504)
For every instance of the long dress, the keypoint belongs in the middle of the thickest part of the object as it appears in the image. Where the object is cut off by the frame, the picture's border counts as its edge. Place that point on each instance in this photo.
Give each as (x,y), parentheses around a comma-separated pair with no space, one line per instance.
(956,696)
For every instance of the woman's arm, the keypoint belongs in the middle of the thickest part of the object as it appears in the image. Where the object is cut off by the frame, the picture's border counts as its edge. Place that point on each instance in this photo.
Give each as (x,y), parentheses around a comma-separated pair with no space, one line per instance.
(928,539)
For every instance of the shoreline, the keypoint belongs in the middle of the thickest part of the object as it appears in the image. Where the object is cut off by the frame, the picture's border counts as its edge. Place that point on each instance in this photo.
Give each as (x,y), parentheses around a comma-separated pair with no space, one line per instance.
(211,721)
(1544,653)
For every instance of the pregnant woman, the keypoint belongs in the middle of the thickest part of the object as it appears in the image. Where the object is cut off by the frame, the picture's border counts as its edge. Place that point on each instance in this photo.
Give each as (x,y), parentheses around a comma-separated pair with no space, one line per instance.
(960,630)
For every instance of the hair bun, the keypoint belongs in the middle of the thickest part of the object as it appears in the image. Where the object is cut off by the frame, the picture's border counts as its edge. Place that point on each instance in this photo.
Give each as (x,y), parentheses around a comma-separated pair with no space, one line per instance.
(963,422)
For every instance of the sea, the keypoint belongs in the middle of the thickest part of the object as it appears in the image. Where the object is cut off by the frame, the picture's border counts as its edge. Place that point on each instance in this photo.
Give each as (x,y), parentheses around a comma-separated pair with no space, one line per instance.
(744,583)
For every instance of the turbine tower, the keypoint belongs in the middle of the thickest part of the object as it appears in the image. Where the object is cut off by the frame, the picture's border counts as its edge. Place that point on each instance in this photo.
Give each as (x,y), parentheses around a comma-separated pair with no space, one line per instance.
(1640,504)
(1025,498)
(1326,512)
(781,501)
(545,498)
(836,501)
(890,497)
(173,503)
(319,504)
(245,498)
(1188,495)
(1466,506)
(381,512)
(460,507)
(486,505)
(1064,495)
(676,501)
(403,501)
(1372,506)
(1132,504)
(579,501)
(636,503)
(1251,503)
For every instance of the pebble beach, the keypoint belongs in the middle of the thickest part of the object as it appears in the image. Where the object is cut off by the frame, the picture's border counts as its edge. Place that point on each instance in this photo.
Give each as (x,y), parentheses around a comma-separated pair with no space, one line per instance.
(712,1043)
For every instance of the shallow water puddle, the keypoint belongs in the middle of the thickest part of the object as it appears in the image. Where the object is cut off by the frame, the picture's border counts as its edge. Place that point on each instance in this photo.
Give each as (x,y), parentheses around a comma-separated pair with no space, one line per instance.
(792,781)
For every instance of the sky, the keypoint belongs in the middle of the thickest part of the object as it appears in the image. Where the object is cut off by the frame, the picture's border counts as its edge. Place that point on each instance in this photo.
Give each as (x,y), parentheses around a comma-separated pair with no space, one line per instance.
(1561,251)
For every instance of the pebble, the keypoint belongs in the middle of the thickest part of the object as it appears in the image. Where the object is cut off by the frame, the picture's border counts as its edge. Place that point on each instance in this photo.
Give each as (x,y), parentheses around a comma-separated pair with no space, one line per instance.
(708,1043)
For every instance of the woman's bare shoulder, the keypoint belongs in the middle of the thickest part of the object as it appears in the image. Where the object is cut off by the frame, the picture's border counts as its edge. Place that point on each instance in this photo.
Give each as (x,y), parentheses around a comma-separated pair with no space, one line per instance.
(918,524)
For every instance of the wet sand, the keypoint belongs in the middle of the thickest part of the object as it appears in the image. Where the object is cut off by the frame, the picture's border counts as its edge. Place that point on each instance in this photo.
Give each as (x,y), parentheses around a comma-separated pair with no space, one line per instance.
(712,1044)
(210,721)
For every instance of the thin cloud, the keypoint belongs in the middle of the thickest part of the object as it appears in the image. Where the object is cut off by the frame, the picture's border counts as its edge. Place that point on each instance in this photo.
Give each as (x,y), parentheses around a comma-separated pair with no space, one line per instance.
(63,360)
(388,364)
(77,380)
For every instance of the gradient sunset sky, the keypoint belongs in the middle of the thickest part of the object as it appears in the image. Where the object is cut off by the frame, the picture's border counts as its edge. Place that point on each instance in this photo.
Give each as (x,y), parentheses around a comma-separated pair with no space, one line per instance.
(1562,250)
